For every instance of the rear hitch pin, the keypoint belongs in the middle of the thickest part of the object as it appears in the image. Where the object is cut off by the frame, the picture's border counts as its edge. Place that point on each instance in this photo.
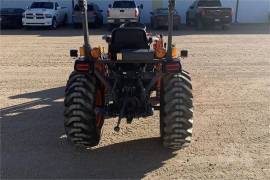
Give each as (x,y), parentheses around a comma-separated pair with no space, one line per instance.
(117,127)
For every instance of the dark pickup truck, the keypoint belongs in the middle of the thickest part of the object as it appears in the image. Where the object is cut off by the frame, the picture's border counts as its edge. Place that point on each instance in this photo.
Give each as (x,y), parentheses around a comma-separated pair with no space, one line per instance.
(204,13)
(11,18)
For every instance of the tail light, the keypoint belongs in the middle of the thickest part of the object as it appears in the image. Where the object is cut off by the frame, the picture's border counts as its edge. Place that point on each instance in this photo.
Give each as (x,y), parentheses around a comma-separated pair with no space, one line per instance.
(82,67)
(173,67)
(108,13)
(136,13)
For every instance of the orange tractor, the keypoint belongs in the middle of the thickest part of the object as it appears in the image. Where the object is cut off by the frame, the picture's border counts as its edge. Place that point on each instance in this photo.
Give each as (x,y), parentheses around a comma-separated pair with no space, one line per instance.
(139,74)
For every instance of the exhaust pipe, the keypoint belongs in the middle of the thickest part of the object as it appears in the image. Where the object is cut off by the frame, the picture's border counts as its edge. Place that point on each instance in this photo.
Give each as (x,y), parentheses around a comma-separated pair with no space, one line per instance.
(170,28)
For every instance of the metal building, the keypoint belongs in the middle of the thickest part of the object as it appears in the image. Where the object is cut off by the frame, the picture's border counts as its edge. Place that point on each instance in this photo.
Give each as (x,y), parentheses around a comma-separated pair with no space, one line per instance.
(249,11)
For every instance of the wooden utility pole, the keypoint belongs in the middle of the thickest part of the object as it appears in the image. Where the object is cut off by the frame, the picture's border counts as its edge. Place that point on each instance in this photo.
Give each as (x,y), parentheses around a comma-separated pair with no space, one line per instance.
(236,11)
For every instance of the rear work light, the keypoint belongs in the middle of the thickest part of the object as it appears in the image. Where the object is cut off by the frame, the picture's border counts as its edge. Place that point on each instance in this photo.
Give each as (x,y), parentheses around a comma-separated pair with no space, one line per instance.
(160,53)
(95,52)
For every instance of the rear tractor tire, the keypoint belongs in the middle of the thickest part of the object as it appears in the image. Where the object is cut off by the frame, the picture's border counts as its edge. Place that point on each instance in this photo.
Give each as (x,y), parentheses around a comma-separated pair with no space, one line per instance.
(82,123)
(176,110)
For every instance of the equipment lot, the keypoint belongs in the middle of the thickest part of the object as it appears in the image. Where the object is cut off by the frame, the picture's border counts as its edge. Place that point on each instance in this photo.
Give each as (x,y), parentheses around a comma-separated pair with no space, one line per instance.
(231,76)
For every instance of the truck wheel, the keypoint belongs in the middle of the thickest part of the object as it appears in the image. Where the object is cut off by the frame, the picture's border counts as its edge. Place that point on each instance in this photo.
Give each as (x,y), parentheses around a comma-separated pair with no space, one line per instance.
(54,24)
(155,26)
(199,25)
(176,111)
(65,20)
(176,27)
(96,23)
(82,124)
(226,27)
(76,25)
(188,20)
(99,22)
(110,27)
(27,27)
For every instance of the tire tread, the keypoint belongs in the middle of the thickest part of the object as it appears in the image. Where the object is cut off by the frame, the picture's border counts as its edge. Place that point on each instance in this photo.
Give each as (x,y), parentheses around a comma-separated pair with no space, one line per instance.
(79,113)
(177,110)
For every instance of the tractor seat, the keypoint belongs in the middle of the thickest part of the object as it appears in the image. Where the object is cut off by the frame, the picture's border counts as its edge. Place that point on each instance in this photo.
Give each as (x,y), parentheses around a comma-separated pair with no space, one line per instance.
(128,39)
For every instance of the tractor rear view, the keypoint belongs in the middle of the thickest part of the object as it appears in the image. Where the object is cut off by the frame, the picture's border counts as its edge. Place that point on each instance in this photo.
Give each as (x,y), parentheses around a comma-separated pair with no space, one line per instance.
(139,74)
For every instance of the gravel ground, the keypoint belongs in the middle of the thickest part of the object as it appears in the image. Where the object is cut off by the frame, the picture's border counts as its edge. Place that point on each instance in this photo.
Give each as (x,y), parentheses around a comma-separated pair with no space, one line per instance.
(231,77)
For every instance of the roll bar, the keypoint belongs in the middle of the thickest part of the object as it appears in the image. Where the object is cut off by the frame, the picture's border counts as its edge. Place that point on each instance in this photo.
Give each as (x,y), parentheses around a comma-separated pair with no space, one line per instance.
(87,47)
(170,28)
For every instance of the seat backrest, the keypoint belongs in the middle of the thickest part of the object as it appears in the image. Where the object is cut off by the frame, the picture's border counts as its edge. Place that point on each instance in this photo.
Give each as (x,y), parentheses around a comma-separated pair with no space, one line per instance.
(128,38)
(134,25)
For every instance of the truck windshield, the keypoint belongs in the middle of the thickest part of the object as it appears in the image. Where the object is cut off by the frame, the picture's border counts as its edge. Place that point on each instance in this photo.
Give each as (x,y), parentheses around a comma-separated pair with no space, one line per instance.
(209,3)
(42,5)
(124,4)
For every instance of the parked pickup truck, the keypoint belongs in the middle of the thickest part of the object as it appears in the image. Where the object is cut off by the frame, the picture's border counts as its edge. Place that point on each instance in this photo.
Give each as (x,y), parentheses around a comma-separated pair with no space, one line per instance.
(123,11)
(203,13)
(11,18)
(94,13)
(48,14)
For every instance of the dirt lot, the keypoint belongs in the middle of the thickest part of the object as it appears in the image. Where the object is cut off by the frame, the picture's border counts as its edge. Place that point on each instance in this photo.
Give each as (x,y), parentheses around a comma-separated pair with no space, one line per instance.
(231,76)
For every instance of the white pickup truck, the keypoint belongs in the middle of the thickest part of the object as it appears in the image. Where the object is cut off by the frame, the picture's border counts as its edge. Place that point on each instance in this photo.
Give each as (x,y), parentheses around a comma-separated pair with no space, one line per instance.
(48,14)
(123,11)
